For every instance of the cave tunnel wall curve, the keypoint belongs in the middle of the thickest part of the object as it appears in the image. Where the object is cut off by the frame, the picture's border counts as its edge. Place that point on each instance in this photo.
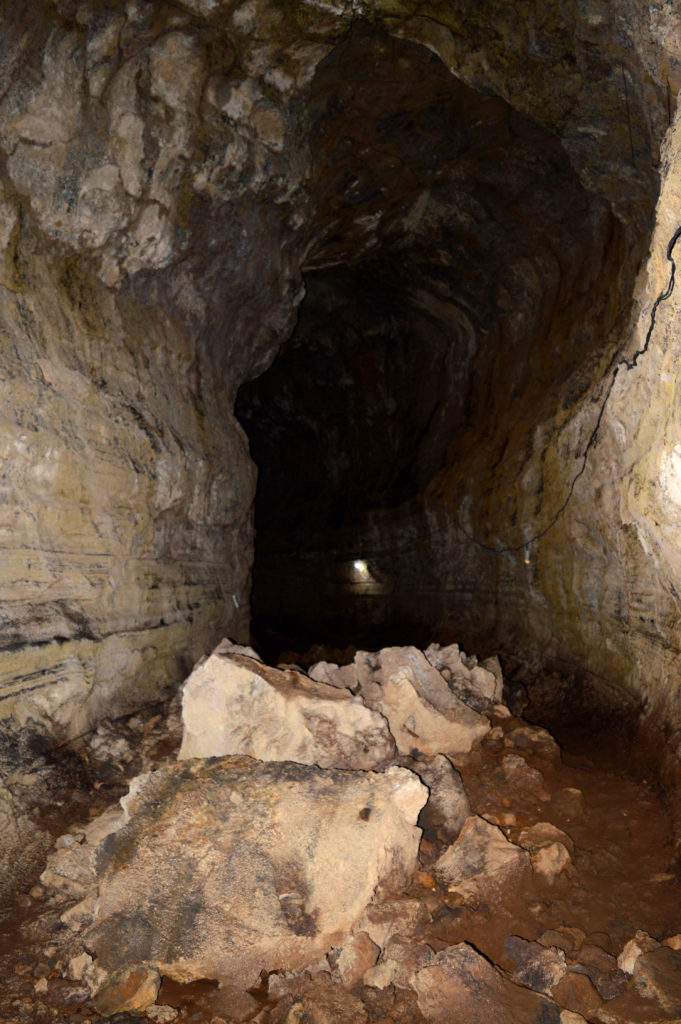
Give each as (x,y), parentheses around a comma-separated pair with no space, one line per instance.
(173,177)
(464,292)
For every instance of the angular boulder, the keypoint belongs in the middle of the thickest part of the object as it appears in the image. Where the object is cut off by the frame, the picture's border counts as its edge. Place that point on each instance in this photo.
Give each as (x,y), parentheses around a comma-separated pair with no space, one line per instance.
(539,967)
(232,866)
(233,704)
(461,985)
(482,863)
(479,686)
(448,805)
(657,976)
(425,717)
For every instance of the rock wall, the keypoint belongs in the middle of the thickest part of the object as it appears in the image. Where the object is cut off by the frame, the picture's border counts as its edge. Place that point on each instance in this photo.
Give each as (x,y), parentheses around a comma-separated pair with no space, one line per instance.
(167,175)
(128,299)
(545,515)
(124,525)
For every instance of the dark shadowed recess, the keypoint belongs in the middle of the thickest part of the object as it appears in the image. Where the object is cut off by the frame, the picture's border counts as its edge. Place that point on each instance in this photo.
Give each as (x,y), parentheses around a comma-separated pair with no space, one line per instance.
(460,284)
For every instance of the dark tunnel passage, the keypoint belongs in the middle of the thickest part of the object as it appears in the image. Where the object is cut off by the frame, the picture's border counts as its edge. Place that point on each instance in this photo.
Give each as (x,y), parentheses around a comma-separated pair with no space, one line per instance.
(462,290)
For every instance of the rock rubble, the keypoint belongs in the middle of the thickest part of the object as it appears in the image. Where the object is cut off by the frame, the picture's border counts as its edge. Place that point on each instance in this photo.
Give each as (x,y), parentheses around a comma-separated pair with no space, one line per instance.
(413,886)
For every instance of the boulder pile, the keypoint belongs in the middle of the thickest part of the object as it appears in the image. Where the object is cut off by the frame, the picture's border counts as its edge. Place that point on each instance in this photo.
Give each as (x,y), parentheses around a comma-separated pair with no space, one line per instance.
(378,841)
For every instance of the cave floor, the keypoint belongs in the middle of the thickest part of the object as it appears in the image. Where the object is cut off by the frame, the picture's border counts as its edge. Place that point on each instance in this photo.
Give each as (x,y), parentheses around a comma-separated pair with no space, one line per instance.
(620,880)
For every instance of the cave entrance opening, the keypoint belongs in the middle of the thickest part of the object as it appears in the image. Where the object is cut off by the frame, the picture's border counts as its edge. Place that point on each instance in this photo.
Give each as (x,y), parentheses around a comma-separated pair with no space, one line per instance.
(460,287)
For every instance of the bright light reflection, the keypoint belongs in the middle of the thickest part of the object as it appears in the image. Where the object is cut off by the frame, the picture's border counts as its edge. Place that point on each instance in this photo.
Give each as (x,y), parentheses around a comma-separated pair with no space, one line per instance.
(361,566)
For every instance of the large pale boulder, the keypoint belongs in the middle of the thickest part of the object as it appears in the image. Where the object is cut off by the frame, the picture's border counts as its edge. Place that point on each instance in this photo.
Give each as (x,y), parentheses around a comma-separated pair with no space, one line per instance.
(425,717)
(232,866)
(233,704)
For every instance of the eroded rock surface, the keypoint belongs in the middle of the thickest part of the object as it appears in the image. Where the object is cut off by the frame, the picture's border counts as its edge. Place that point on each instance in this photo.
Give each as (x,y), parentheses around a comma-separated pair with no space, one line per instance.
(224,867)
(234,705)
(460,977)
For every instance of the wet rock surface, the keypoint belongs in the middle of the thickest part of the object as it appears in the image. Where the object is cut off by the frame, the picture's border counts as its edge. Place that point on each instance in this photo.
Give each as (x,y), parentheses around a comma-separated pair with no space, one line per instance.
(228,889)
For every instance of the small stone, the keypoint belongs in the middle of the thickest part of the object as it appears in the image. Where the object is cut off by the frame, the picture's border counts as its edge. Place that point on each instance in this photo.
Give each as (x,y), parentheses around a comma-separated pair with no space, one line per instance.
(641,943)
(543,834)
(398,963)
(564,937)
(576,992)
(535,739)
(394,917)
(424,715)
(550,861)
(425,879)
(521,775)
(162,1014)
(358,954)
(539,967)
(478,686)
(78,965)
(324,1002)
(602,969)
(674,942)
(657,976)
(569,802)
(130,989)
(41,986)
(345,677)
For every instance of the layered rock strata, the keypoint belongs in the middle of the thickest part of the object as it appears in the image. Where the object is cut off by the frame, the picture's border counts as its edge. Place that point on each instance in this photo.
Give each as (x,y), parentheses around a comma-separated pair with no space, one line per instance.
(166,176)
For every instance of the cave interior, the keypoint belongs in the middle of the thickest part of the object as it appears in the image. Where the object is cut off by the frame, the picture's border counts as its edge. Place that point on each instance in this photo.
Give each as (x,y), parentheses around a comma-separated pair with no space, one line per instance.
(331,326)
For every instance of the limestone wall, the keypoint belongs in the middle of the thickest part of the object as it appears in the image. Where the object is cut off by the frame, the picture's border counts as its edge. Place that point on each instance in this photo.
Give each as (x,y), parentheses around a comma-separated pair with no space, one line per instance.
(125,527)
(159,202)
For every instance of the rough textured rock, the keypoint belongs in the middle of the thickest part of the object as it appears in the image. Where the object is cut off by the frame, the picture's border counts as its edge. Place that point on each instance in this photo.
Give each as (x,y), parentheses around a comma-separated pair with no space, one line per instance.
(602,969)
(657,976)
(462,983)
(71,868)
(132,988)
(539,968)
(223,868)
(448,805)
(424,716)
(400,960)
(641,943)
(550,861)
(475,684)
(356,957)
(232,704)
(541,835)
(406,917)
(482,863)
(326,1003)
